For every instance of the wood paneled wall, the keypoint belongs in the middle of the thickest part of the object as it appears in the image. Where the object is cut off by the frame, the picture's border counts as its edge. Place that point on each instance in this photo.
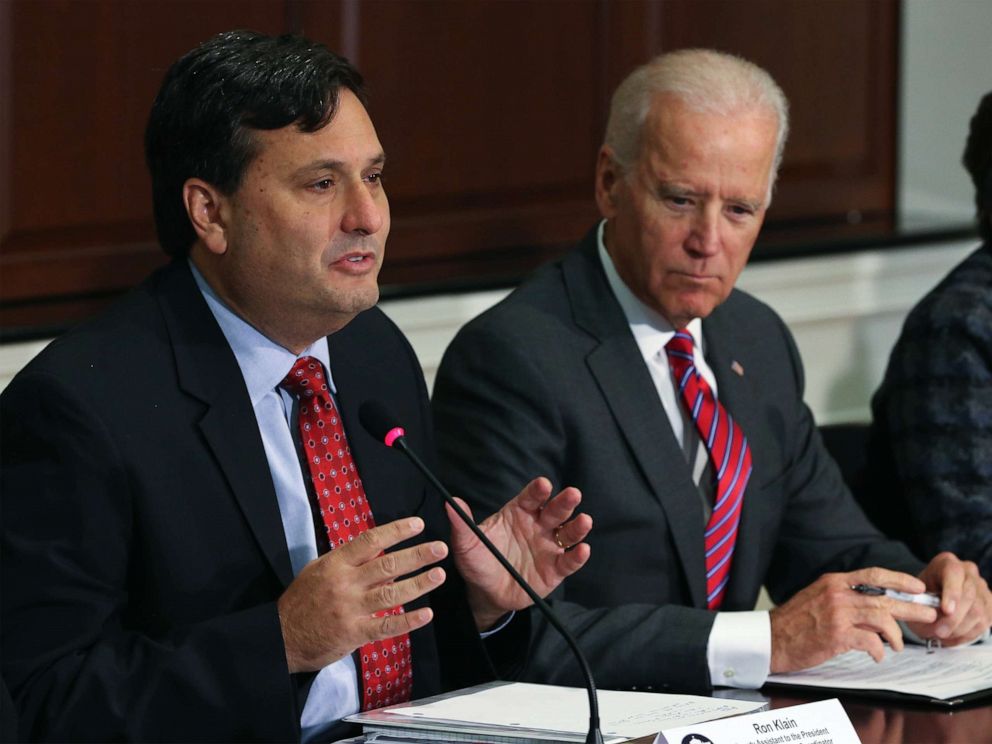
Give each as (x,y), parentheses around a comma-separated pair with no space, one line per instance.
(491,112)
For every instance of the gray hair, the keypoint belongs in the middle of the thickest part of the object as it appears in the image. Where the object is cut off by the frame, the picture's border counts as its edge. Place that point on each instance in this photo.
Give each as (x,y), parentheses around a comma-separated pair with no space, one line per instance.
(706,81)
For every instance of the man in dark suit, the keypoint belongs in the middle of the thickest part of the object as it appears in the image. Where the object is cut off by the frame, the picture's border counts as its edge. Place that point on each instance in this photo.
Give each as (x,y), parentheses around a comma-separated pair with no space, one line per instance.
(634,370)
(167,571)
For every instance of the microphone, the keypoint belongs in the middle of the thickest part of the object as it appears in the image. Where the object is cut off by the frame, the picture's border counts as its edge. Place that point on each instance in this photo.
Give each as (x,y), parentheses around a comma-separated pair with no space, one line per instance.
(382,425)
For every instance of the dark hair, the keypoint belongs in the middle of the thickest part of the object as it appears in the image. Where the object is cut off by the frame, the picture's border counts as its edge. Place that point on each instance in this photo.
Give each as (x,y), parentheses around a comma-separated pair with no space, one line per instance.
(977,161)
(214,96)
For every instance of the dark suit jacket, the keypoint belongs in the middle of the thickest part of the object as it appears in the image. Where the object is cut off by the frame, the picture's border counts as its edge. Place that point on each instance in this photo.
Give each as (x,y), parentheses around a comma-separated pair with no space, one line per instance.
(143,551)
(551,381)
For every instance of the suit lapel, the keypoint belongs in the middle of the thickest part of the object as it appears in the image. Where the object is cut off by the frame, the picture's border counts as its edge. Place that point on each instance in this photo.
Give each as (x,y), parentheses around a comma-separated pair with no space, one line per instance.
(619,370)
(207,369)
(356,377)
(362,368)
(729,352)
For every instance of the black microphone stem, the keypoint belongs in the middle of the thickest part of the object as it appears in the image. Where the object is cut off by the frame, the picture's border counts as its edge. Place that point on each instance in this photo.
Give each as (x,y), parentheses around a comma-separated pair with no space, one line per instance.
(594,736)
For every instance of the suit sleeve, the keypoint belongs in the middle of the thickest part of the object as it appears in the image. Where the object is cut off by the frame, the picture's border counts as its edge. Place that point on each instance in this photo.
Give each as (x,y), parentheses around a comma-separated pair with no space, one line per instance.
(822,528)
(501,420)
(389,371)
(938,416)
(464,658)
(72,656)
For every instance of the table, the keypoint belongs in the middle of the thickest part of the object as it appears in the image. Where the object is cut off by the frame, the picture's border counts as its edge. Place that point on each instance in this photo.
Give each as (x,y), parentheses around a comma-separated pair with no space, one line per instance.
(880,721)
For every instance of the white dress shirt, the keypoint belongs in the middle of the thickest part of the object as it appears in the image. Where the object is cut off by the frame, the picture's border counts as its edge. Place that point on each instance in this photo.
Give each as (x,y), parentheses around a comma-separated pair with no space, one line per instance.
(739,650)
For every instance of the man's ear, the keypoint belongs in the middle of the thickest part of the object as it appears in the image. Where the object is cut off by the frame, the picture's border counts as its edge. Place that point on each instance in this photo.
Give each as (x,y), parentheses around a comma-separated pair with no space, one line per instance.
(204,202)
(608,177)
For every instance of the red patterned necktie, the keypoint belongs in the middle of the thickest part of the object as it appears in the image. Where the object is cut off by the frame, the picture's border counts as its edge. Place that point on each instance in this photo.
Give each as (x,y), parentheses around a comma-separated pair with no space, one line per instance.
(387,669)
(729,455)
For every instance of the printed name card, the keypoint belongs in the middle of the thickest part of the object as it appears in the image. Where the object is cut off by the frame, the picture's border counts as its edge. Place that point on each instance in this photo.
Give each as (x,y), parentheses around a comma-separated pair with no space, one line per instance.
(823,722)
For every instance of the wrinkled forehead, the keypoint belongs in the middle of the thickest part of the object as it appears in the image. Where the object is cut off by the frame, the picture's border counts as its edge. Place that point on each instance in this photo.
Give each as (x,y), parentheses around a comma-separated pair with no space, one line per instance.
(674,119)
(686,144)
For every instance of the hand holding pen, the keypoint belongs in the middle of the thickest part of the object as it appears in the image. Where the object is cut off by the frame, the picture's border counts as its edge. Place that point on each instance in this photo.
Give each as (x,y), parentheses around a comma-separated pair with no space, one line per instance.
(965,611)
(827,618)
(929,599)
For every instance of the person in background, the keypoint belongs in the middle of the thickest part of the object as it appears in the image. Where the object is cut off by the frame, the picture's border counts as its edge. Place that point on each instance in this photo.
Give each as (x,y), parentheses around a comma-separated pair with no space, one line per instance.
(200,542)
(930,447)
(634,370)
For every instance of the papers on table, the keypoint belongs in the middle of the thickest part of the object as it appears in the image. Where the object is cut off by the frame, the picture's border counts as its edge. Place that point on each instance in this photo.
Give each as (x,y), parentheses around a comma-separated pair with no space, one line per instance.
(945,675)
(519,711)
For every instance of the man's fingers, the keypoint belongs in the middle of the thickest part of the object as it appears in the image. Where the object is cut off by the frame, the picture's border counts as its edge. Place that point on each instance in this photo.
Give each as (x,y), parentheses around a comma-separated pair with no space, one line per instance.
(970,613)
(869,642)
(909,611)
(370,543)
(574,531)
(879,617)
(378,628)
(560,507)
(973,616)
(572,560)
(462,537)
(535,494)
(966,633)
(951,580)
(964,596)
(870,610)
(396,593)
(890,632)
(883,577)
(401,562)
(453,515)
(952,624)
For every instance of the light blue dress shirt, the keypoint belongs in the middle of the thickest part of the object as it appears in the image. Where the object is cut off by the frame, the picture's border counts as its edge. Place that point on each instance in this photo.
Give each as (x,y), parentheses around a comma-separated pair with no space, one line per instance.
(264,364)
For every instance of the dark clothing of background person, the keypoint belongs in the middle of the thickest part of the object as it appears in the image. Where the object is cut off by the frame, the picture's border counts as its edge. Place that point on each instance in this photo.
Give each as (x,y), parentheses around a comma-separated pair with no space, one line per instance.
(930,454)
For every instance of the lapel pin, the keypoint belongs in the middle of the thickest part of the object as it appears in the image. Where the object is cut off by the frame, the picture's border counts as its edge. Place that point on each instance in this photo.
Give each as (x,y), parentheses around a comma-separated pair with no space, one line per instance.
(736,367)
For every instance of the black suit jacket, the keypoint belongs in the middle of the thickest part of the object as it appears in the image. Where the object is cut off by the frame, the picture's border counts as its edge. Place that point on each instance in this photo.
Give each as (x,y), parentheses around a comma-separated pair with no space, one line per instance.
(143,551)
(551,381)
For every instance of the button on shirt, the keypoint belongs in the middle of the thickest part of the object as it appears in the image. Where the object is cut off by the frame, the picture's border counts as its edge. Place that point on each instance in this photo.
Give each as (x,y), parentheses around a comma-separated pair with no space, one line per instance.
(334,692)
(739,650)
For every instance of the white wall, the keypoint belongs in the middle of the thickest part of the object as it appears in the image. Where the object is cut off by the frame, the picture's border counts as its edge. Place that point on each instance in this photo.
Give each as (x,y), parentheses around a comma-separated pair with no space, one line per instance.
(845,312)
(946,69)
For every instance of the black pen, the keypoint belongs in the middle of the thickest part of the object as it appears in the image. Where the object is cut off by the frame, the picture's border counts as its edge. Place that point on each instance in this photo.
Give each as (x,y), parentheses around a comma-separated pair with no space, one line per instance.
(926,598)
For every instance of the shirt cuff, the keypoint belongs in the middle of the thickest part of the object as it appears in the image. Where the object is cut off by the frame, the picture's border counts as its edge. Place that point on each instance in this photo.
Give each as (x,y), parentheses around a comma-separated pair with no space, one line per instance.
(739,651)
(499,626)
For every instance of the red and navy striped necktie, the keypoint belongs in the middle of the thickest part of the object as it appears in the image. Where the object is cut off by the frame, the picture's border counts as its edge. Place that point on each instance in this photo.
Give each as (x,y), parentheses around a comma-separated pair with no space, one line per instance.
(729,455)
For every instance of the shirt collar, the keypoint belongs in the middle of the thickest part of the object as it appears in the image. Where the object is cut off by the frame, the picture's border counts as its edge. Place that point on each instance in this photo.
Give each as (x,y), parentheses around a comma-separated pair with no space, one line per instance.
(263,362)
(650,328)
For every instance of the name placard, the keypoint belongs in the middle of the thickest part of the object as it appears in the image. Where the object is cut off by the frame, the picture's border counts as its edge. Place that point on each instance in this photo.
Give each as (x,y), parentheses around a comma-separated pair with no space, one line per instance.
(823,722)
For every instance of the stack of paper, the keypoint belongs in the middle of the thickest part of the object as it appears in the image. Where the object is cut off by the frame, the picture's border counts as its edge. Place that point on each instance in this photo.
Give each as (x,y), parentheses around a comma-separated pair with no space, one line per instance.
(946,676)
(519,712)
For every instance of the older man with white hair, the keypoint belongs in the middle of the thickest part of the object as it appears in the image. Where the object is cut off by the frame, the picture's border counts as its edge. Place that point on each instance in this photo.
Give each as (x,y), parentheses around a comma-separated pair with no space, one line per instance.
(633,369)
